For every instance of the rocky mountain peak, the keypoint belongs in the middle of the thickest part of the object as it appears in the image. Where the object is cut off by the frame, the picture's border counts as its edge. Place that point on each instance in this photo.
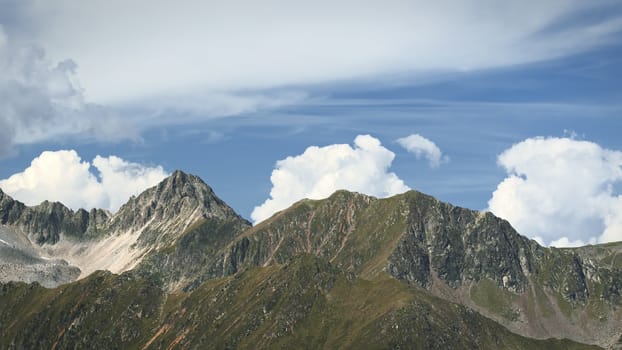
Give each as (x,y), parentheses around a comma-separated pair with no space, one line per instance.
(179,179)
(162,211)
(97,239)
(171,206)
(5,200)
(7,208)
(181,236)
(176,192)
(52,207)
(179,186)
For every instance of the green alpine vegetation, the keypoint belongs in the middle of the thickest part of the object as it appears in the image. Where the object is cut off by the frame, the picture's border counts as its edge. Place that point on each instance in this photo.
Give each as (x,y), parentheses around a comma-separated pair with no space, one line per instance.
(349,271)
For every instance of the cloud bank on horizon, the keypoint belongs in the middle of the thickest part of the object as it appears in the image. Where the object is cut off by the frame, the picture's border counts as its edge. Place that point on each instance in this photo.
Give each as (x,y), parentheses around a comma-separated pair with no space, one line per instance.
(561,191)
(63,176)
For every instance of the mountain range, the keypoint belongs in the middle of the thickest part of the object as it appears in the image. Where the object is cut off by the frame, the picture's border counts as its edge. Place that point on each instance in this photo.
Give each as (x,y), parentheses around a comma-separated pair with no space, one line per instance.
(176,267)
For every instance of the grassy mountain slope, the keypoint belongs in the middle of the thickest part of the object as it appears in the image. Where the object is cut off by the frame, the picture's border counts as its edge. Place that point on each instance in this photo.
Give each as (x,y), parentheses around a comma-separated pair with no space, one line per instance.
(306,303)
(348,271)
(464,256)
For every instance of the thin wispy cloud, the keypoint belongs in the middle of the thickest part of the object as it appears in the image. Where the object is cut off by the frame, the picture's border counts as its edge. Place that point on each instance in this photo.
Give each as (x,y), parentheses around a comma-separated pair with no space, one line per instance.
(149,63)
(225,47)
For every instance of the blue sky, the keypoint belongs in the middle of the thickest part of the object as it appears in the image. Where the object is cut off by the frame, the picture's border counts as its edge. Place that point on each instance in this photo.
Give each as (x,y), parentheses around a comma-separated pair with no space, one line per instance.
(157,86)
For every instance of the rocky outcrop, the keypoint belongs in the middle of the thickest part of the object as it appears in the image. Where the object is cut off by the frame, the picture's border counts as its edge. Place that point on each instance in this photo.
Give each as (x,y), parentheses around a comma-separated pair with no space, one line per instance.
(150,225)
(47,222)
(19,261)
(196,257)
(177,202)
(459,245)
(180,237)
(49,274)
(462,255)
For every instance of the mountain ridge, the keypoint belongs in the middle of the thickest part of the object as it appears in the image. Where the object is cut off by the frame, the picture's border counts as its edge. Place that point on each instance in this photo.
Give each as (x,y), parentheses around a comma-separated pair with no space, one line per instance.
(117,242)
(179,236)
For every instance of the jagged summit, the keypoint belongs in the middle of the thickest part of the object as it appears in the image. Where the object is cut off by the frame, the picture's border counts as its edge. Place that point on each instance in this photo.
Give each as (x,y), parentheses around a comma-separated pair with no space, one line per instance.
(180,177)
(177,187)
(179,196)
(182,236)
(182,184)
(98,240)
(4,196)
(465,256)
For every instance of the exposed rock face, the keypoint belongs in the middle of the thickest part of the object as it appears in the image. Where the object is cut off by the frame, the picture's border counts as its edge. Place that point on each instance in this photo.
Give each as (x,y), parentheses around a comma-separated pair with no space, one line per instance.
(459,245)
(196,257)
(19,261)
(459,254)
(175,204)
(418,237)
(47,222)
(94,240)
(10,209)
(182,238)
(46,273)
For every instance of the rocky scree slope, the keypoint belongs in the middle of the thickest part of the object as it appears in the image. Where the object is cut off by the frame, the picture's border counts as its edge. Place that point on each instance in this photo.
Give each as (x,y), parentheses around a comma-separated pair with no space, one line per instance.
(81,241)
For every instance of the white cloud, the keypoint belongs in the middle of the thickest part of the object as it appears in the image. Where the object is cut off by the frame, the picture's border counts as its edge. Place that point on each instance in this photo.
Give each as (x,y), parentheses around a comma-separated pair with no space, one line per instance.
(153,47)
(162,62)
(564,242)
(320,171)
(422,147)
(41,101)
(63,176)
(561,190)
(44,101)
(176,108)
(121,179)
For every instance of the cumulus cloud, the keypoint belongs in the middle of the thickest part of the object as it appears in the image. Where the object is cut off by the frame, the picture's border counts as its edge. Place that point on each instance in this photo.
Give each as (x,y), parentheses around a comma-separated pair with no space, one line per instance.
(561,191)
(320,171)
(422,147)
(63,176)
(41,100)
(121,179)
